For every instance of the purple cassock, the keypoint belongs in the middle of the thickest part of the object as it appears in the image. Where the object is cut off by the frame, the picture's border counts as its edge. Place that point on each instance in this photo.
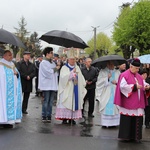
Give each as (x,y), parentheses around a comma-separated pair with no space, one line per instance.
(133,101)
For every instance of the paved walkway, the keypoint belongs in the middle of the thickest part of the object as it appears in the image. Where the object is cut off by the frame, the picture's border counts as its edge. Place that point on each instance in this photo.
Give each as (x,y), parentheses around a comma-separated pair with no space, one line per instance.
(32,134)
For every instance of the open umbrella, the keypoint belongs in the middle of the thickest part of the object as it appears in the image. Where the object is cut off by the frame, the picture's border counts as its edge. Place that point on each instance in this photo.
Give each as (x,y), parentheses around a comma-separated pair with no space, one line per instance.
(145,59)
(101,62)
(1,52)
(9,38)
(63,38)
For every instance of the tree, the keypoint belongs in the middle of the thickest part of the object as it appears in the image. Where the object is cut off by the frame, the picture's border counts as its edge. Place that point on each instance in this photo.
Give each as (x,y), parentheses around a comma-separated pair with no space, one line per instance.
(22,31)
(34,45)
(132,30)
(31,42)
(103,45)
(120,31)
(140,26)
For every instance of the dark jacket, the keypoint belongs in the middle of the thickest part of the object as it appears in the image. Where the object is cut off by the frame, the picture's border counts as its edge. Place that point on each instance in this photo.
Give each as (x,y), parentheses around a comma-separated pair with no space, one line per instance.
(26,70)
(90,75)
(37,64)
(148,81)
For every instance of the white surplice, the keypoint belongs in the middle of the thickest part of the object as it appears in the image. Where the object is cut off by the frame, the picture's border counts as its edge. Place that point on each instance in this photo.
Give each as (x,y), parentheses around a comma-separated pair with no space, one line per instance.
(126,90)
(104,93)
(10,94)
(65,101)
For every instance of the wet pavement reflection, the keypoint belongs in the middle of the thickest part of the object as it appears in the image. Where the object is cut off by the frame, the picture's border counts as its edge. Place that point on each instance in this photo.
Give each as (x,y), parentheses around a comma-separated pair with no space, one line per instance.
(87,130)
(85,127)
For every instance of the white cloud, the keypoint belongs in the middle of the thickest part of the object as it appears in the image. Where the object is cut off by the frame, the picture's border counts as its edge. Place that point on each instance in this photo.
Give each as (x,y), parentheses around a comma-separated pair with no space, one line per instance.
(76,16)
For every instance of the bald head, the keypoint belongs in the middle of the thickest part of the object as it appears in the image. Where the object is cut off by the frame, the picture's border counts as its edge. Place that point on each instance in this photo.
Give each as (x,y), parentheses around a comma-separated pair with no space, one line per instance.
(88,62)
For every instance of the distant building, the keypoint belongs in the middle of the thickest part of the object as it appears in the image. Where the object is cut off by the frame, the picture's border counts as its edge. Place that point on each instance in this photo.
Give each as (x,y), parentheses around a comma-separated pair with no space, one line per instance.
(80,52)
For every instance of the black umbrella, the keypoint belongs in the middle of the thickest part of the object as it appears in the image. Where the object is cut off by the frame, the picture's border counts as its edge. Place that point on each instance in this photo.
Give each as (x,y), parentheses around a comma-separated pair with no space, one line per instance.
(1,51)
(63,38)
(101,62)
(9,38)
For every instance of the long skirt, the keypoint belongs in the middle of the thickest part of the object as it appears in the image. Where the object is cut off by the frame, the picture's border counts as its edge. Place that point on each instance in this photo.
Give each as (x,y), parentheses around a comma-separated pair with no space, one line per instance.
(109,120)
(130,127)
(63,113)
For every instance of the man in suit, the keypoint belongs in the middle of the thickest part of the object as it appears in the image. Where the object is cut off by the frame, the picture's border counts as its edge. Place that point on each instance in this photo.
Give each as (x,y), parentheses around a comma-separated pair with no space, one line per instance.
(27,73)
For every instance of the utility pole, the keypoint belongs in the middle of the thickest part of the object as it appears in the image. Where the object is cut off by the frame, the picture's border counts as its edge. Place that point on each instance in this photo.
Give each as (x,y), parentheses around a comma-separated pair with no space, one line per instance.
(94,29)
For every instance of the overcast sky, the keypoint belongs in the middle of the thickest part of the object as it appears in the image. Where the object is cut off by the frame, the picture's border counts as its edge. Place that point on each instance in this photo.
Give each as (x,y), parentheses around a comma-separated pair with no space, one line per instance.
(76,16)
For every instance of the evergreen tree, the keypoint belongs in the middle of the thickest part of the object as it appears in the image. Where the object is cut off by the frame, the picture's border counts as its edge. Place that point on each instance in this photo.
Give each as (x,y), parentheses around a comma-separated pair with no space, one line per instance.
(35,46)
(31,42)
(22,31)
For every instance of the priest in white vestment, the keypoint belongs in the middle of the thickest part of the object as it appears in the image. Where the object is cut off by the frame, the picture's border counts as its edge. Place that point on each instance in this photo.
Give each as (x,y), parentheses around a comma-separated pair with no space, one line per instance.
(10,92)
(105,90)
(71,91)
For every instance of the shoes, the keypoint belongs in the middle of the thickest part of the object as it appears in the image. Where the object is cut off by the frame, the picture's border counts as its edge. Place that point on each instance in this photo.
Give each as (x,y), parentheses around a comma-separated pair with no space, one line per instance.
(64,121)
(91,115)
(24,112)
(147,126)
(49,119)
(44,119)
(8,126)
(72,122)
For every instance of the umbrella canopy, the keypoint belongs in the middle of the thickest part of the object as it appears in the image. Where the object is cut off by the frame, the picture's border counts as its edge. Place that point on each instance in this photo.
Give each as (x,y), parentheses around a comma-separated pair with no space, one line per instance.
(145,59)
(1,51)
(101,62)
(9,38)
(63,38)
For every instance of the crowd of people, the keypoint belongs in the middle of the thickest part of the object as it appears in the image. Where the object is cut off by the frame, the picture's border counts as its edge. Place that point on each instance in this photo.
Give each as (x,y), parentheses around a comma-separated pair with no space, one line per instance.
(121,95)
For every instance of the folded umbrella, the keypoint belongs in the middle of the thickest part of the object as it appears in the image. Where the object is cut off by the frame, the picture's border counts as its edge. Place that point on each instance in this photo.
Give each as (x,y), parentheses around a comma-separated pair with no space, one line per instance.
(1,51)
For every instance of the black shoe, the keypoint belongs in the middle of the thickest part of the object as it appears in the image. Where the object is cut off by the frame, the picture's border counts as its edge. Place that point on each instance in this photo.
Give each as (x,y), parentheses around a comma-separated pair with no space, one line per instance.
(24,112)
(91,115)
(49,119)
(44,119)
(64,121)
(8,126)
(72,122)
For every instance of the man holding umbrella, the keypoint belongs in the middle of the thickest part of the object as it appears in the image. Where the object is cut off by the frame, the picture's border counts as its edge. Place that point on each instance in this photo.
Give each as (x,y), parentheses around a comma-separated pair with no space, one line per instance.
(71,91)
(105,90)
(48,82)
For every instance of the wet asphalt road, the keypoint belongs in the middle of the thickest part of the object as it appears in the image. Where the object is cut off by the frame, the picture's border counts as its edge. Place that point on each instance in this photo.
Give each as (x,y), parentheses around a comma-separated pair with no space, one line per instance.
(32,134)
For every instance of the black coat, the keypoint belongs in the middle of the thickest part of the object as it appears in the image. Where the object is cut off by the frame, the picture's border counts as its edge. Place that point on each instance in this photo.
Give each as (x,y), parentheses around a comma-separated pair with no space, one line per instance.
(26,70)
(90,75)
(148,81)
(37,64)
